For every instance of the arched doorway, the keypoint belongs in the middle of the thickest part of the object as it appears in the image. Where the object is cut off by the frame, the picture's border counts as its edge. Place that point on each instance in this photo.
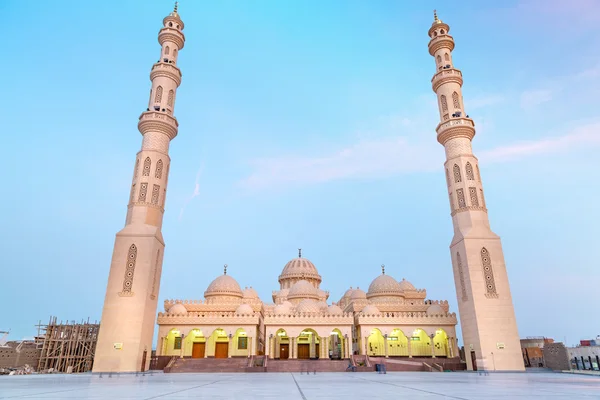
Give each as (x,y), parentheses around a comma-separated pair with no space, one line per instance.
(308,344)
(195,344)
(397,344)
(440,344)
(219,343)
(172,343)
(375,343)
(420,343)
(281,345)
(336,345)
(241,343)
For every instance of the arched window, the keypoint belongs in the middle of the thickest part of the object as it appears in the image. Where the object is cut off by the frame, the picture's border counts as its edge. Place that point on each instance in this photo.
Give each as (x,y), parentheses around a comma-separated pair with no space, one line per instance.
(170,24)
(143,192)
(460,195)
(155,194)
(159,168)
(442,31)
(446,57)
(488,273)
(170,98)
(439,59)
(455,100)
(457,177)
(158,96)
(167,50)
(447,177)
(174,52)
(146,171)
(444,103)
(469,171)
(129,269)
(473,196)
(461,277)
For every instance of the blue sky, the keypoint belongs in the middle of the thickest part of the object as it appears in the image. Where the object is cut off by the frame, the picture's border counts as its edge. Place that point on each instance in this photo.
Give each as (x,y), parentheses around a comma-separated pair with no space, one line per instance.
(302,124)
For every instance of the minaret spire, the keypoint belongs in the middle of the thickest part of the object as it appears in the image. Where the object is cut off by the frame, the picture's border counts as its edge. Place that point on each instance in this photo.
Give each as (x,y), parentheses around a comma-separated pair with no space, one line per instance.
(225,269)
(382,269)
(299,253)
(485,304)
(129,312)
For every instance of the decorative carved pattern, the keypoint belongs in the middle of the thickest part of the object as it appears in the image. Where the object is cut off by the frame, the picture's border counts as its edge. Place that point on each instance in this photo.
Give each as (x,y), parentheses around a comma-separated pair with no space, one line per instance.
(447,177)
(147,163)
(468,208)
(457,177)
(446,117)
(137,165)
(158,96)
(444,103)
(407,318)
(473,195)
(129,270)
(461,277)
(455,100)
(469,171)
(156,141)
(155,194)
(143,192)
(461,198)
(159,168)
(170,98)
(488,273)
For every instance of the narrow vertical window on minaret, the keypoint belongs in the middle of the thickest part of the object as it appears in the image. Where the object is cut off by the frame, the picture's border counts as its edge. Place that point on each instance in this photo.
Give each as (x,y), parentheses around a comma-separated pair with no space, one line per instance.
(155,194)
(457,177)
(460,194)
(167,50)
(488,273)
(143,192)
(147,164)
(129,269)
(439,59)
(158,96)
(159,168)
(461,277)
(170,98)
(446,57)
(469,171)
(455,100)
(444,103)
(473,195)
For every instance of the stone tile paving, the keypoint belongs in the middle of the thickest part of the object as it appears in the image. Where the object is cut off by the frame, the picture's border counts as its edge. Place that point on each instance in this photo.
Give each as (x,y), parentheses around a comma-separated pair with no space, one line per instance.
(394,385)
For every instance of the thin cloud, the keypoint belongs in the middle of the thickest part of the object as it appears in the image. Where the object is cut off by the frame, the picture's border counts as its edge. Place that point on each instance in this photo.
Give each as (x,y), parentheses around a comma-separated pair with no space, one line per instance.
(533,98)
(484,101)
(195,193)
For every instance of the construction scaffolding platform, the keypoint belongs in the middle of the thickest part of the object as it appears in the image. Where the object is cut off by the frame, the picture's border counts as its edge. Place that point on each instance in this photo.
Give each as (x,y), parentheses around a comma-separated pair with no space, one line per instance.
(67,347)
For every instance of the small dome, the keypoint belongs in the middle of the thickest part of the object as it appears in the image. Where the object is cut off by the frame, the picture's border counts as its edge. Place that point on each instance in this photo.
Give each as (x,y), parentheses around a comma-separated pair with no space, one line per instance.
(303,290)
(224,285)
(244,309)
(406,285)
(299,268)
(335,310)
(384,285)
(308,306)
(358,294)
(283,308)
(348,293)
(250,293)
(435,309)
(323,306)
(370,310)
(177,309)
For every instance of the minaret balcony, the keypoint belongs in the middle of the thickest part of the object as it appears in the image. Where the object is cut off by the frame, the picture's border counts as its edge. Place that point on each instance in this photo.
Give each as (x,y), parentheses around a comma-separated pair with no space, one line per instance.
(167,70)
(171,35)
(156,121)
(446,76)
(440,42)
(456,127)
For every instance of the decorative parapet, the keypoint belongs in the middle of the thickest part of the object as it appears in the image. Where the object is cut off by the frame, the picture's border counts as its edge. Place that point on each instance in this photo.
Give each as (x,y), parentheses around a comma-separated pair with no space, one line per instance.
(167,70)
(406,318)
(456,127)
(308,319)
(158,122)
(439,42)
(445,76)
(208,318)
(172,35)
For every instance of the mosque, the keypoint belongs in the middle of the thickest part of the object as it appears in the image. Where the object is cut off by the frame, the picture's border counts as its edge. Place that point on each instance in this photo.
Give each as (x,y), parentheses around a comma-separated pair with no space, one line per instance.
(391,319)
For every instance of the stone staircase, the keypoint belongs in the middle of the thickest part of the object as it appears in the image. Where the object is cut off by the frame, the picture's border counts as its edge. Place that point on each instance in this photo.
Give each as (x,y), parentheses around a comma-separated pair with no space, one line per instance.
(311,366)
(208,365)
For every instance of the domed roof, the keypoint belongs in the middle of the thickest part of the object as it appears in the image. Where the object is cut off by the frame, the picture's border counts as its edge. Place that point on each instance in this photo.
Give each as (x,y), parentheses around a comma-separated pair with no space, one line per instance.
(250,293)
(299,268)
(370,310)
(308,306)
(358,294)
(384,285)
(303,289)
(283,308)
(244,309)
(335,310)
(406,285)
(224,285)
(348,293)
(177,308)
(435,309)
(323,306)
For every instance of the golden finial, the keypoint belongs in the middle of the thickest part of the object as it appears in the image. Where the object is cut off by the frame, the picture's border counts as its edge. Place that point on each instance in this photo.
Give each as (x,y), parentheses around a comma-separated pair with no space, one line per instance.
(225,266)
(175,8)
(435,18)
(382,269)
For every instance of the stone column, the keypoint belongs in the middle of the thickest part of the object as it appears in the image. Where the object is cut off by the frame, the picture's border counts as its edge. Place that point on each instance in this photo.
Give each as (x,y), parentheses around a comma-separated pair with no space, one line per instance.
(229,347)
(312,349)
(325,342)
(366,340)
(385,344)
(409,344)
(432,348)
(182,346)
(450,347)
(293,348)
(277,345)
(250,346)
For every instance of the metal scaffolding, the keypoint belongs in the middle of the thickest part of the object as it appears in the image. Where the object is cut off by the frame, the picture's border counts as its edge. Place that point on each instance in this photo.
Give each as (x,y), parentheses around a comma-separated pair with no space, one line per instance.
(67,347)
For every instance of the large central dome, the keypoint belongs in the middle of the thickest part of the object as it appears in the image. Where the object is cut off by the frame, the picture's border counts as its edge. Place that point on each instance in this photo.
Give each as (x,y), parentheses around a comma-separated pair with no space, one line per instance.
(299,269)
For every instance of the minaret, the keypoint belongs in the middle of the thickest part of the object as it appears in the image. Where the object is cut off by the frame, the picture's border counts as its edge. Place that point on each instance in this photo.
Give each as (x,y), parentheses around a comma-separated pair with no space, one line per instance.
(129,313)
(485,304)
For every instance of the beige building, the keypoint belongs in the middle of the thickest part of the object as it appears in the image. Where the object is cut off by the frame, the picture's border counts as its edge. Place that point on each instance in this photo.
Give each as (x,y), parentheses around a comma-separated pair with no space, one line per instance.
(392,319)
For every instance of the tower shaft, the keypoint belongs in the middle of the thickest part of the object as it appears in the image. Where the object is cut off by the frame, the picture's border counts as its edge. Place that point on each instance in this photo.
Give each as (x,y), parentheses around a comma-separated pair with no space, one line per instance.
(485,303)
(129,313)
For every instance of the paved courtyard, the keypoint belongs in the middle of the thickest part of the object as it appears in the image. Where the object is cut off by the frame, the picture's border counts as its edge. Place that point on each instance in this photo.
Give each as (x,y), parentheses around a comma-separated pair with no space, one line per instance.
(413,385)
